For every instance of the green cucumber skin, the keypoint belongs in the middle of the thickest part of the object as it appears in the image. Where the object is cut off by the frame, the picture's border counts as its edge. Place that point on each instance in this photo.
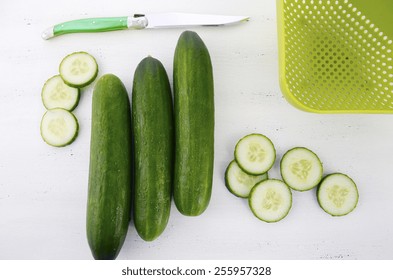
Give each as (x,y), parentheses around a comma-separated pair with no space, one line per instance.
(153,131)
(194,124)
(109,194)
(227,181)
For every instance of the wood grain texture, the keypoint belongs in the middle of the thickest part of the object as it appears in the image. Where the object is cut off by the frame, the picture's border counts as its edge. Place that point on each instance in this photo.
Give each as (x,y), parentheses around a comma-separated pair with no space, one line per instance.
(43,190)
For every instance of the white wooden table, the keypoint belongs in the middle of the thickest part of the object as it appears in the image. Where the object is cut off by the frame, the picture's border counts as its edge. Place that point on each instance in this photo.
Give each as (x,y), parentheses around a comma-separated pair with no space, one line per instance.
(43,190)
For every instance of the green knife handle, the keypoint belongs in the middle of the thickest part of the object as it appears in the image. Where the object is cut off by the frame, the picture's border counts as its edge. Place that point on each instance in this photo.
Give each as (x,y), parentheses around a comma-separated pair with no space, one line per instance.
(96,25)
(90,25)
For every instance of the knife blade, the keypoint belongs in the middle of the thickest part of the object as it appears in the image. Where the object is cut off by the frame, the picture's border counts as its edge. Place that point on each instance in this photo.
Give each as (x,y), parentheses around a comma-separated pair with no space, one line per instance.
(140,21)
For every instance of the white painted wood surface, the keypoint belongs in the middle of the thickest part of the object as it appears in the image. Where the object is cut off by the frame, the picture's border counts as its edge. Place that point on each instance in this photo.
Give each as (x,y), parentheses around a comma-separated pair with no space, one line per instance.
(43,189)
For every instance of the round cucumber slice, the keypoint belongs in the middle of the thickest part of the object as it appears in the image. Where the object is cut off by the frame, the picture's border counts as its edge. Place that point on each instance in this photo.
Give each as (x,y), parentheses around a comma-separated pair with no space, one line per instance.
(337,194)
(301,169)
(78,69)
(59,127)
(57,94)
(240,183)
(255,154)
(270,200)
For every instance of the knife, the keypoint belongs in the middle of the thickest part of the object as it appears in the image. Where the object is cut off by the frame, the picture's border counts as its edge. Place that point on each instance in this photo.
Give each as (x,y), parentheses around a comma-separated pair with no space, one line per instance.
(139,21)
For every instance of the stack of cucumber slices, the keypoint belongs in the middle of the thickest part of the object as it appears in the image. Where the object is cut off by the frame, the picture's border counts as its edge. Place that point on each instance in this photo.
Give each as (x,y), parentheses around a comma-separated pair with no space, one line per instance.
(60,96)
(301,169)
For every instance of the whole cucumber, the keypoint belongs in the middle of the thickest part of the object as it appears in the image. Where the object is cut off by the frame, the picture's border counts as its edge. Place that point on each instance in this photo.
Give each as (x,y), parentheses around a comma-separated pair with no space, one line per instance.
(194,124)
(109,195)
(153,130)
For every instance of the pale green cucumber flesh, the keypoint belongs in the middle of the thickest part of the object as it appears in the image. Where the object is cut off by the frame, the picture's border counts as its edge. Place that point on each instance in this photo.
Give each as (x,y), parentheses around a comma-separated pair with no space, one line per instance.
(255,154)
(240,183)
(337,194)
(153,131)
(270,200)
(57,94)
(109,193)
(78,69)
(301,169)
(59,127)
(194,125)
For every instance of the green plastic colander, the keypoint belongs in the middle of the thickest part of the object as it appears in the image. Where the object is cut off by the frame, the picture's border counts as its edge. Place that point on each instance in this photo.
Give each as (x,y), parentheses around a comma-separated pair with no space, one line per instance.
(336,56)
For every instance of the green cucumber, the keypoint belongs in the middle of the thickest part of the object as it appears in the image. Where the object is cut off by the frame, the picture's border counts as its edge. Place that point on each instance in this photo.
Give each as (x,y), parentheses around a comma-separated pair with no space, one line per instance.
(194,124)
(301,169)
(337,194)
(255,154)
(153,131)
(270,200)
(109,195)
(78,69)
(239,182)
(57,94)
(59,127)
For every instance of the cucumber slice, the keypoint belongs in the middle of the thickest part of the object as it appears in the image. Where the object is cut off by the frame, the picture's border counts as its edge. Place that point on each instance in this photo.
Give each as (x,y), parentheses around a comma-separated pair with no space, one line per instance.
(301,169)
(255,154)
(337,194)
(59,127)
(240,183)
(78,69)
(57,94)
(270,200)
